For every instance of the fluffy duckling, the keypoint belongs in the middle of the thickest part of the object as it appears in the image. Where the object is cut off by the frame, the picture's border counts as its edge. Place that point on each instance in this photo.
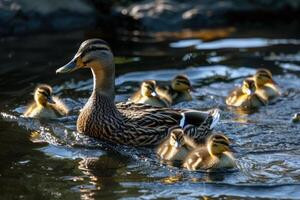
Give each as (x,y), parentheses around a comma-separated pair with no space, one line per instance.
(215,154)
(266,87)
(147,95)
(176,146)
(178,91)
(296,118)
(45,106)
(245,96)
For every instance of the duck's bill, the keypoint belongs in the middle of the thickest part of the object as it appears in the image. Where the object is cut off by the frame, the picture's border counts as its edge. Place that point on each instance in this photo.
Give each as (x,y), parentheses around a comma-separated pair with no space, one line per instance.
(71,66)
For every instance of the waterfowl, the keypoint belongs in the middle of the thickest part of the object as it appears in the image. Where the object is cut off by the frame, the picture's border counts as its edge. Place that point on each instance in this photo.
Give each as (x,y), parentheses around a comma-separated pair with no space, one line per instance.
(45,105)
(178,91)
(126,123)
(215,154)
(176,146)
(266,87)
(245,96)
(296,118)
(148,95)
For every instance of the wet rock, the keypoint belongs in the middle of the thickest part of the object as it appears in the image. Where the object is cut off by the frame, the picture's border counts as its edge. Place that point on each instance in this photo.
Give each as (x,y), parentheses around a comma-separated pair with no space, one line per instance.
(19,17)
(161,15)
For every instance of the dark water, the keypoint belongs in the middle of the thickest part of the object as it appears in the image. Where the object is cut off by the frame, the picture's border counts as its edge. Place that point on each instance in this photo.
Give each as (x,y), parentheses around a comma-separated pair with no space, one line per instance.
(50,160)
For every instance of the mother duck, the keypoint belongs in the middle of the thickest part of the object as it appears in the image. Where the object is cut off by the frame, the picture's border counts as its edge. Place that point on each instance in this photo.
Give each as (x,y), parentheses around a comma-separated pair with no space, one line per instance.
(127,123)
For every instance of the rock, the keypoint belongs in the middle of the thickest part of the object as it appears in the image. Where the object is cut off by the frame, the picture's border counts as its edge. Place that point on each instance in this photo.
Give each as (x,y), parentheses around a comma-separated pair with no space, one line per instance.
(166,15)
(19,17)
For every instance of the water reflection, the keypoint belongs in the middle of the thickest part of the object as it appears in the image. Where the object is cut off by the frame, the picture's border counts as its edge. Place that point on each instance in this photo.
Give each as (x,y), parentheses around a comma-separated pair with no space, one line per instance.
(101,172)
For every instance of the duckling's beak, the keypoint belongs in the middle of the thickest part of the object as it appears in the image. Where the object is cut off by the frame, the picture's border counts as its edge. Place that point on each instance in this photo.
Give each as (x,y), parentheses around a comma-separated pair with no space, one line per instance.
(248,91)
(154,94)
(71,66)
(50,100)
(176,145)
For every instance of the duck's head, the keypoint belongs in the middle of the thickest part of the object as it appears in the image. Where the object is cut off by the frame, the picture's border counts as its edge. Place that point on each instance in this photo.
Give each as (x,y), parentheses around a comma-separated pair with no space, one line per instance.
(43,95)
(262,77)
(92,53)
(148,88)
(217,144)
(176,137)
(181,83)
(248,86)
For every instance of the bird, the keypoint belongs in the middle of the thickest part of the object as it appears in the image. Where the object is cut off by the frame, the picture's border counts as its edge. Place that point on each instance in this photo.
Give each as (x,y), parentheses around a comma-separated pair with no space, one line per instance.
(148,95)
(245,96)
(176,146)
(125,122)
(296,118)
(45,106)
(266,87)
(178,91)
(215,154)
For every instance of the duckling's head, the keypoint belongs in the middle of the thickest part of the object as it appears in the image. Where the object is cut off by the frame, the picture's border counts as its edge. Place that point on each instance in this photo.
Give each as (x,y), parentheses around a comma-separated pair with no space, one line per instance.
(148,88)
(248,86)
(92,53)
(181,83)
(217,144)
(176,137)
(43,95)
(262,77)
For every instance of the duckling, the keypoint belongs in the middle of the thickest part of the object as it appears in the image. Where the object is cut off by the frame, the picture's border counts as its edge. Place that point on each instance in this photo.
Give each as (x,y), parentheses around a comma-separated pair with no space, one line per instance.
(179,91)
(296,118)
(176,146)
(266,87)
(45,106)
(245,96)
(215,154)
(127,123)
(147,95)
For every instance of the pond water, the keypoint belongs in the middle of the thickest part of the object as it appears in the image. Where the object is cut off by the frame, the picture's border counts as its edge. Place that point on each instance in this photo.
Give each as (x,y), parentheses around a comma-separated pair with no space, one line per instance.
(49,160)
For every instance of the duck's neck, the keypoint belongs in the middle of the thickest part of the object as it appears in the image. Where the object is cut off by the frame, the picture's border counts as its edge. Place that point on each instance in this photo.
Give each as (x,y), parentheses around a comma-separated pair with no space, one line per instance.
(104,81)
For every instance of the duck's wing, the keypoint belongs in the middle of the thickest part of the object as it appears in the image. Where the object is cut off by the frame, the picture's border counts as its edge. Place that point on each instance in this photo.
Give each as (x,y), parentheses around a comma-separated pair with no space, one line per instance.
(197,124)
(30,108)
(149,116)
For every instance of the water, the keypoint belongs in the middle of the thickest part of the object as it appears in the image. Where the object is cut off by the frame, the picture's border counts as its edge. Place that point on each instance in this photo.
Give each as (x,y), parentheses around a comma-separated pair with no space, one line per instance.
(42,159)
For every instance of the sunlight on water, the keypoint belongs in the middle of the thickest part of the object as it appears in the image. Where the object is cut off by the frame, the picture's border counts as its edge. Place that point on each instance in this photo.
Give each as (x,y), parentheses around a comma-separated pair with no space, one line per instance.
(245,43)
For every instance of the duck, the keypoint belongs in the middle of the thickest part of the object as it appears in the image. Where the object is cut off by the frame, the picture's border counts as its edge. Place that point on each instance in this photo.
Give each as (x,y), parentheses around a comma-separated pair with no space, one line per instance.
(178,91)
(176,146)
(127,123)
(266,87)
(214,154)
(148,95)
(245,96)
(45,106)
